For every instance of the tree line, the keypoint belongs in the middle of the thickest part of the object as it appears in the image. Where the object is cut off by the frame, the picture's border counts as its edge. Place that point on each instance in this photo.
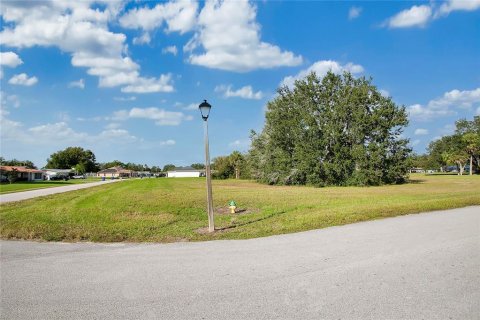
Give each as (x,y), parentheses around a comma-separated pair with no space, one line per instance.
(335,130)
(460,149)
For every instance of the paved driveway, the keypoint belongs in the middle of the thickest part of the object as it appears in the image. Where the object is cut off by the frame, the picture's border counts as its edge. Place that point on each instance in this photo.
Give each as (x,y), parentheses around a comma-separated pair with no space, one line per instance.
(17,196)
(424,266)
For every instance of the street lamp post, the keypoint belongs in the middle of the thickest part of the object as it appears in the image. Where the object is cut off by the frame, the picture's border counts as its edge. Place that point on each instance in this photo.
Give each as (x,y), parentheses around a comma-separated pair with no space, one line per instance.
(205,111)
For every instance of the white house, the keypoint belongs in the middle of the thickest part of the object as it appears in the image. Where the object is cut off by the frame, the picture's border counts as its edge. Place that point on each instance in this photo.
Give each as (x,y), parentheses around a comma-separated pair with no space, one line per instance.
(185,172)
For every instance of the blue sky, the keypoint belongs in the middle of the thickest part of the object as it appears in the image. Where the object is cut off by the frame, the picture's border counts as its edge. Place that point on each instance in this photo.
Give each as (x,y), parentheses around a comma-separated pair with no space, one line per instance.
(124,79)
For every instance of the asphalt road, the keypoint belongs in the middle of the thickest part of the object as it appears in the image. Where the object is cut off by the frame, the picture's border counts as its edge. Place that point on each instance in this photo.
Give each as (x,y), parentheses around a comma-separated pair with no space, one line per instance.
(424,266)
(23,195)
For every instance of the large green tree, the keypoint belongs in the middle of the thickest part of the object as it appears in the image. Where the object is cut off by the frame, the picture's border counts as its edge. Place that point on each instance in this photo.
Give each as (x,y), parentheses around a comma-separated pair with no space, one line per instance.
(335,130)
(73,157)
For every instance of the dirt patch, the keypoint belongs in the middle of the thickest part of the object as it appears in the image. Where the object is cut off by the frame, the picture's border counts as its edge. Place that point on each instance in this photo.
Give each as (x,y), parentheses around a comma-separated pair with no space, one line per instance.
(238,211)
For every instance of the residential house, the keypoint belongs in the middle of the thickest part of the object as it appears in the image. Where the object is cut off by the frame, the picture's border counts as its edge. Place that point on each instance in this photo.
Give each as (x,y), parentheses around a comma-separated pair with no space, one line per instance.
(185,172)
(117,172)
(24,173)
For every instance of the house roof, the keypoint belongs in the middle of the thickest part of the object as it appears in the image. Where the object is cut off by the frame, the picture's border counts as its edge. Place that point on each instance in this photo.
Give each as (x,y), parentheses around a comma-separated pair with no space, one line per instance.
(115,170)
(57,170)
(20,169)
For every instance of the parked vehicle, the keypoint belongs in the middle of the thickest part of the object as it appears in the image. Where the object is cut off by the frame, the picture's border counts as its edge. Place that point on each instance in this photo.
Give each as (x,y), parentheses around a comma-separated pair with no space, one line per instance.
(80,176)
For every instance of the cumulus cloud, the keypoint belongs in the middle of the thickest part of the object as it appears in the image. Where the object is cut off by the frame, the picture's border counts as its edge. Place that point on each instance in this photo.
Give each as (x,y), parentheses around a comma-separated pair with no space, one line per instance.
(161,117)
(77,28)
(143,39)
(421,132)
(416,16)
(177,15)
(445,105)
(462,5)
(321,68)
(228,38)
(23,79)
(170,49)
(145,85)
(77,84)
(10,59)
(419,16)
(354,12)
(245,92)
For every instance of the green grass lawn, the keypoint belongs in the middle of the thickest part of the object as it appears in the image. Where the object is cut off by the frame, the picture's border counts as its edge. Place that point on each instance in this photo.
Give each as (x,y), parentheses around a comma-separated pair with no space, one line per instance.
(166,210)
(25,186)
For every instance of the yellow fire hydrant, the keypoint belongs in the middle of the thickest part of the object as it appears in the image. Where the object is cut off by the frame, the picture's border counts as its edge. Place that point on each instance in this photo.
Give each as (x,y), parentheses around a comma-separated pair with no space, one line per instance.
(232,206)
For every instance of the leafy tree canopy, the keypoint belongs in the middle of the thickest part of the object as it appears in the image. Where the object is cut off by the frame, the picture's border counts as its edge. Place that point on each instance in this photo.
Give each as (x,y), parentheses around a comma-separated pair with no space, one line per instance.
(168,167)
(71,157)
(335,130)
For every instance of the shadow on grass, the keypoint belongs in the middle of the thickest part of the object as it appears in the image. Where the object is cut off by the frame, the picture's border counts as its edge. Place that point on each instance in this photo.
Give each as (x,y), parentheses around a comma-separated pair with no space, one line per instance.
(233,226)
(416,181)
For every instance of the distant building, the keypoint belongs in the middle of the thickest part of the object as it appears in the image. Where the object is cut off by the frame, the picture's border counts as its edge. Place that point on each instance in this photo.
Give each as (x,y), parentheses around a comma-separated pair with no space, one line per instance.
(24,173)
(185,172)
(117,172)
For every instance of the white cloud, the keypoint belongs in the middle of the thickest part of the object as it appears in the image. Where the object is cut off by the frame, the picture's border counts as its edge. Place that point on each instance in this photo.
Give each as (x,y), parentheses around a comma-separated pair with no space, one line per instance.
(77,84)
(419,16)
(454,5)
(170,49)
(77,28)
(321,68)
(229,37)
(7,100)
(456,98)
(178,16)
(421,132)
(159,116)
(144,85)
(445,105)
(112,125)
(245,92)
(10,59)
(354,12)
(59,131)
(167,142)
(22,79)
(416,16)
(143,39)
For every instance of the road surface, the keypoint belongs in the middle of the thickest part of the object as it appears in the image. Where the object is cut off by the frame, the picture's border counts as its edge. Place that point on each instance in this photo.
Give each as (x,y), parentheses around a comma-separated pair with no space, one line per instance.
(424,266)
(23,195)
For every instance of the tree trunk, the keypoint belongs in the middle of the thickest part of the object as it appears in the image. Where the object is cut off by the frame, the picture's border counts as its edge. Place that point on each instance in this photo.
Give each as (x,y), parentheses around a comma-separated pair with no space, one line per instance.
(471,165)
(460,172)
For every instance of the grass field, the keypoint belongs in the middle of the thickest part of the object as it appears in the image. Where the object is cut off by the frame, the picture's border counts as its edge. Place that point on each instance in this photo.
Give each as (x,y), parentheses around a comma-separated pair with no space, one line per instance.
(25,186)
(166,210)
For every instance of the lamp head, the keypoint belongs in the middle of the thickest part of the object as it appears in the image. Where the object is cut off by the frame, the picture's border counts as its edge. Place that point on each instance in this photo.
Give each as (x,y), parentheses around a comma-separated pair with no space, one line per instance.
(204,109)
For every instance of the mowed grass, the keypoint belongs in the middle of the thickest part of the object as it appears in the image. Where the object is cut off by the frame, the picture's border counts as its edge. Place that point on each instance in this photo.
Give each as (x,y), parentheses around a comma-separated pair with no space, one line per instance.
(25,186)
(166,210)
